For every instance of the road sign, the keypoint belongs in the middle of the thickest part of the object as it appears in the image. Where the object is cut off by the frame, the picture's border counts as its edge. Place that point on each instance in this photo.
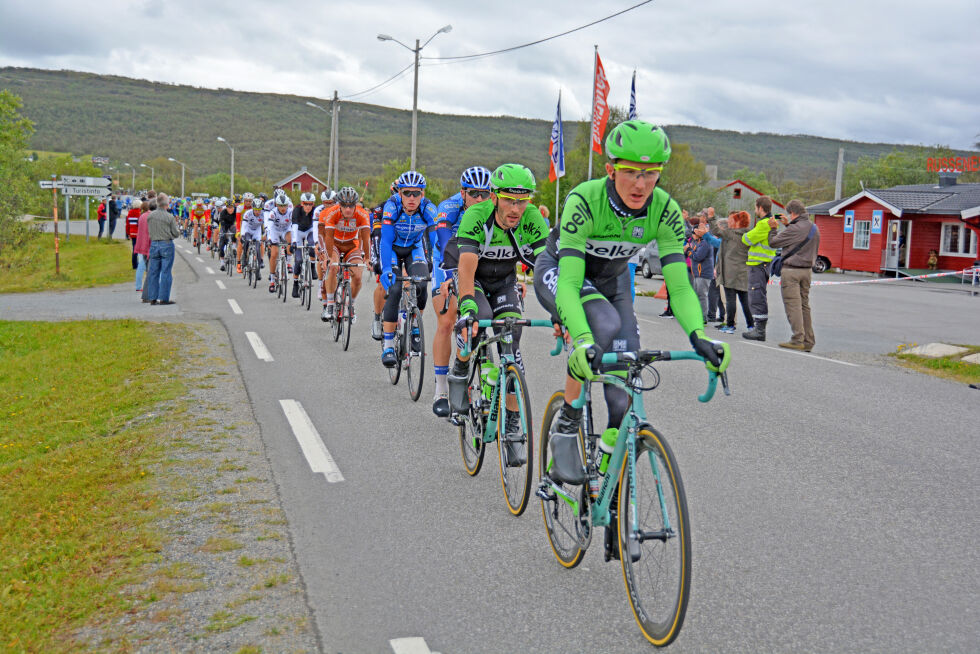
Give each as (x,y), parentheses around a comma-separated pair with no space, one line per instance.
(199,195)
(47,183)
(100,161)
(95,191)
(84,181)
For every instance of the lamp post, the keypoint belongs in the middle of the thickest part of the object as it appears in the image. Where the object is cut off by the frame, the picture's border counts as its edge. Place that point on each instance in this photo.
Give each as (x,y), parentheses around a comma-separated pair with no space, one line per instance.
(183,169)
(132,187)
(415,93)
(152,174)
(225,141)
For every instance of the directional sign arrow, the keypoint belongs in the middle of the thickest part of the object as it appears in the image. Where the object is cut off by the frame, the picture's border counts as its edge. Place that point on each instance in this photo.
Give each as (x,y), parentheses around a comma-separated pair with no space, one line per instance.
(85,181)
(47,183)
(95,191)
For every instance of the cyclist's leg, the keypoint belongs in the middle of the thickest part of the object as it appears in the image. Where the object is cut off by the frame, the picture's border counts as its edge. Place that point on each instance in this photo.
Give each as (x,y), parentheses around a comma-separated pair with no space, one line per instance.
(401,258)
(442,341)
(615,329)
(505,302)
(330,280)
(356,274)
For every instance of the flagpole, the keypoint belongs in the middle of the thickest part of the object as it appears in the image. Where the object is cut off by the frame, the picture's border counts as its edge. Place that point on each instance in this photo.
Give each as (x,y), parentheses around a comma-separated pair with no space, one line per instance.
(595,64)
(558,178)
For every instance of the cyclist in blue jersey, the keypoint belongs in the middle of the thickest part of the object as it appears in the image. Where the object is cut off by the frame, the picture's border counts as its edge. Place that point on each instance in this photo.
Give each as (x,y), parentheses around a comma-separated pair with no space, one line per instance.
(377,213)
(474,187)
(405,227)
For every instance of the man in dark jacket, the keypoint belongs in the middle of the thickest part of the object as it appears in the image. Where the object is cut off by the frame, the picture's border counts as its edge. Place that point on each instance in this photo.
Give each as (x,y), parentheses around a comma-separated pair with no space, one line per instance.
(113,215)
(797,270)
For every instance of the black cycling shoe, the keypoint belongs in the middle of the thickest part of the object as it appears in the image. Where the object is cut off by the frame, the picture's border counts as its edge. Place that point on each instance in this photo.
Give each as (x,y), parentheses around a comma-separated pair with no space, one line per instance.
(441,406)
(566,458)
(388,358)
(514,450)
(295,288)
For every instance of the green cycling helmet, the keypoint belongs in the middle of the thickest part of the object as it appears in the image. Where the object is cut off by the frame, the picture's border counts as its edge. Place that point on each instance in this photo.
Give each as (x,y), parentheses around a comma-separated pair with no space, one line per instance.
(637,140)
(514,178)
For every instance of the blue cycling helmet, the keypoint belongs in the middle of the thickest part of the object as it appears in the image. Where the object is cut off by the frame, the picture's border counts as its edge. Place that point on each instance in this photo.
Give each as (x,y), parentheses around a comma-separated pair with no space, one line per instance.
(475,177)
(410,179)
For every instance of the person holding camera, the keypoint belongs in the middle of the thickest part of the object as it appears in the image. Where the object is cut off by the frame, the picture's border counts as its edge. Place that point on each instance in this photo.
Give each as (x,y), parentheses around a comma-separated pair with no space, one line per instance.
(800,240)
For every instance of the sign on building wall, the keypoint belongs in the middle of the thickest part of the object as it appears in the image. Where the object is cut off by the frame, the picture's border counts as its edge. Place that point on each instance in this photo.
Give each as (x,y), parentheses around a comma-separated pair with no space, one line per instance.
(876,217)
(848,222)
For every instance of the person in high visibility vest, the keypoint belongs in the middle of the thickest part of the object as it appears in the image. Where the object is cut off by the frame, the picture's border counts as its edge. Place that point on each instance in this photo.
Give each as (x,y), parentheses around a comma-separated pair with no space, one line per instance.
(760,254)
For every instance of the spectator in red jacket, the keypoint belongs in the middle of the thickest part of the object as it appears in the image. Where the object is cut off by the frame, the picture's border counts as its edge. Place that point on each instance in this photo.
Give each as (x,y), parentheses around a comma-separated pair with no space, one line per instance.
(101,213)
(132,225)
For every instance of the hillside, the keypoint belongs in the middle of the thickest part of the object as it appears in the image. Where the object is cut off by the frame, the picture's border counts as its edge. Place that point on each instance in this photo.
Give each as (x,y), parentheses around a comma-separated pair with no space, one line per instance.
(273,135)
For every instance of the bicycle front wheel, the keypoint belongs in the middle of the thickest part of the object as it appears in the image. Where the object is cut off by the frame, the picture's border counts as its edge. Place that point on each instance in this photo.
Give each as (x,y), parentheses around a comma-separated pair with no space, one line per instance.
(338,306)
(348,314)
(515,448)
(655,538)
(395,372)
(474,423)
(415,354)
(283,276)
(566,516)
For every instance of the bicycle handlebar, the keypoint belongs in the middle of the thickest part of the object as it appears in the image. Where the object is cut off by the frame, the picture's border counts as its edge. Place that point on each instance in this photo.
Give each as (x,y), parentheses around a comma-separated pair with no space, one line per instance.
(503,322)
(644,357)
(406,278)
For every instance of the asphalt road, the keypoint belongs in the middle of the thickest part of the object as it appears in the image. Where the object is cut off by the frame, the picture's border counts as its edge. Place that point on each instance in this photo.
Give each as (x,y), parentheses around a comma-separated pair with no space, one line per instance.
(833,496)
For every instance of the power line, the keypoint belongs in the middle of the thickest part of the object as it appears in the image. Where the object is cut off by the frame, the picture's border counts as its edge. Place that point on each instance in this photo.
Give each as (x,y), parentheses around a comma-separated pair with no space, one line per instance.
(378,86)
(549,38)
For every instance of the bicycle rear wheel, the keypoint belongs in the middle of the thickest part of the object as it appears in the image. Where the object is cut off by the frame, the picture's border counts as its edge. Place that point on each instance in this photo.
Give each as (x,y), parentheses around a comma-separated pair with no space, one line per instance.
(515,451)
(653,515)
(307,297)
(283,276)
(348,314)
(247,266)
(395,372)
(338,309)
(415,354)
(474,422)
(569,528)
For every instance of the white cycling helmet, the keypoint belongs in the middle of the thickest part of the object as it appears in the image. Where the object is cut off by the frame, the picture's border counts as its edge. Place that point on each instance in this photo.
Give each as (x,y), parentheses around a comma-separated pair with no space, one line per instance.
(282,200)
(328,196)
(248,197)
(307,197)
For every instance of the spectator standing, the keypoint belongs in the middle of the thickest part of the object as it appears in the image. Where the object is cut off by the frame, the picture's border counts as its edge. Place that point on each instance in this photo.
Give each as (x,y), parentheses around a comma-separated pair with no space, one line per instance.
(702,257)
(760,254)
(732,272)
(162,228)
(113,214)
(101,213)
(132,224)
(141,246)
(800,240)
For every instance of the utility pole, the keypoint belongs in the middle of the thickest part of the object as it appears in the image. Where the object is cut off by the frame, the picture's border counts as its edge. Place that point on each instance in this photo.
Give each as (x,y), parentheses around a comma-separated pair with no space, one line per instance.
(335,142)
(839,184)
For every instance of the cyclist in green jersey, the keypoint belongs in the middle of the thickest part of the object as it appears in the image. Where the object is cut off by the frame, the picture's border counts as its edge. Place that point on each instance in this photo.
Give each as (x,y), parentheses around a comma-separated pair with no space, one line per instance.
(582,278)
(493,237)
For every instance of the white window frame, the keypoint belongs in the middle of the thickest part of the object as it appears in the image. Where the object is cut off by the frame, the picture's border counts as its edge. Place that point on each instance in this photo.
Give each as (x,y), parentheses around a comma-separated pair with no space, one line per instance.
(314,187)
(296,186)
(858,232)
(964,233)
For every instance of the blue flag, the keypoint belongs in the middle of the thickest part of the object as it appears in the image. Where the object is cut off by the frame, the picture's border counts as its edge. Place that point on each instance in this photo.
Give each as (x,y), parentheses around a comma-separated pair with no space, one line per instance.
(556,151)
(632,113)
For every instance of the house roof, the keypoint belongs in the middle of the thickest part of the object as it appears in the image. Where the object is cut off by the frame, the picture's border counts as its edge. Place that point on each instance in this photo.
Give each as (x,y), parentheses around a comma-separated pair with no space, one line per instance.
(725,184)
(962,200)
(302,171)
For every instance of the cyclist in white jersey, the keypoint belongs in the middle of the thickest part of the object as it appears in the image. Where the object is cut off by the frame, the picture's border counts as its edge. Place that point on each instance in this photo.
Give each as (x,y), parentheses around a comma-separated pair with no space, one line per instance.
(278,224)
(328,200)
(251,229)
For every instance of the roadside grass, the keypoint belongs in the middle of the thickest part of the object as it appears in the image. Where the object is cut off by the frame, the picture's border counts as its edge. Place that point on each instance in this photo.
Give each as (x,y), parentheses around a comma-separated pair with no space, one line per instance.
(83,265)
(76,440)
(945,367)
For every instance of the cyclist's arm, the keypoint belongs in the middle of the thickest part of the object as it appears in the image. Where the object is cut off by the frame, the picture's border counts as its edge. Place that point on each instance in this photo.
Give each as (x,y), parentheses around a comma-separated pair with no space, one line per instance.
(329,231)
(536,233)
(670,243)
(575,226)
(468,261)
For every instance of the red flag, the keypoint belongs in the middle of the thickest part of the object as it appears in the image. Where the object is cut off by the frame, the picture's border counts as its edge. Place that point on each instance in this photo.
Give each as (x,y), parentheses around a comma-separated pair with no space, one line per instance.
(600,109)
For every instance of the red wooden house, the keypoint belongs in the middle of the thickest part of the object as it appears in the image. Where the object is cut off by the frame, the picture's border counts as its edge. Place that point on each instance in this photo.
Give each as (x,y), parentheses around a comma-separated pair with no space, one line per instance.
(302,181)
(742,197)
(895,229)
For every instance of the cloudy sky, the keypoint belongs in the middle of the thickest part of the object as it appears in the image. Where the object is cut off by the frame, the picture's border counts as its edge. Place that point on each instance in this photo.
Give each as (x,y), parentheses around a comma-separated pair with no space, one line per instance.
(867,70)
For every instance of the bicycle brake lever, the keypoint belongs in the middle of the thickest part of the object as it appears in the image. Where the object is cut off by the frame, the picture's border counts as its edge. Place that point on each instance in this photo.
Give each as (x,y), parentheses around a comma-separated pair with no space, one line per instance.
(724,384)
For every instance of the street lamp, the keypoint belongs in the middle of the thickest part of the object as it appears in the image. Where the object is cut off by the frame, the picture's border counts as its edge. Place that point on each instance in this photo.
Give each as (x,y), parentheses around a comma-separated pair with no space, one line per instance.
(152,174)
(415,93)
(223,140)
(183,169)
(132,187)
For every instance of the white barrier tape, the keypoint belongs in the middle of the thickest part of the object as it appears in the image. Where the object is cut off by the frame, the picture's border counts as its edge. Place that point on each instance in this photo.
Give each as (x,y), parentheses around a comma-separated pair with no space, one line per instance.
(974,272)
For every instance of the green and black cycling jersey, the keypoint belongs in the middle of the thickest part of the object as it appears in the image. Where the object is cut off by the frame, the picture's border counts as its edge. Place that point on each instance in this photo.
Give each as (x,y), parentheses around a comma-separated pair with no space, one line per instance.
(596,237)
(499,249)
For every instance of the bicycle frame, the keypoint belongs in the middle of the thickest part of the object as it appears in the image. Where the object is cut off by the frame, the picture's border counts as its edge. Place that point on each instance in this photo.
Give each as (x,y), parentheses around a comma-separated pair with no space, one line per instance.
(506,358)
(626,440)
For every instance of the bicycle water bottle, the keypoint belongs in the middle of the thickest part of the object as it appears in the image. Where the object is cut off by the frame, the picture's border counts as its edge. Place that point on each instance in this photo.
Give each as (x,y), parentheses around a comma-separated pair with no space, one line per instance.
(606,446)
(488,378)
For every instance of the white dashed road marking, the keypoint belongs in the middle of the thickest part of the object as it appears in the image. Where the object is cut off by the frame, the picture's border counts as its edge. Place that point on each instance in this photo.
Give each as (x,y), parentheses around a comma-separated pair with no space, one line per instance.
(199,259)
(261,351)
(209,269)
(220,284)
(237,310)
(315,451)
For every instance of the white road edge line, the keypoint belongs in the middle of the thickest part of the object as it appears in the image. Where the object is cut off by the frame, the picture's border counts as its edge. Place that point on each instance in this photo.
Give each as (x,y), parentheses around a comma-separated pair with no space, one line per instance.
(209,269)
(261,351)
(237,310)
(409,646)
(314,450)
(220,284)
(199,259)
(802,354)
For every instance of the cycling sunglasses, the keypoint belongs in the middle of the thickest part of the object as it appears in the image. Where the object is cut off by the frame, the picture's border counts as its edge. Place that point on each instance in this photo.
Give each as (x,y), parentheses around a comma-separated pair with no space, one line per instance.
(348,205)
(411,194)
(476,194)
